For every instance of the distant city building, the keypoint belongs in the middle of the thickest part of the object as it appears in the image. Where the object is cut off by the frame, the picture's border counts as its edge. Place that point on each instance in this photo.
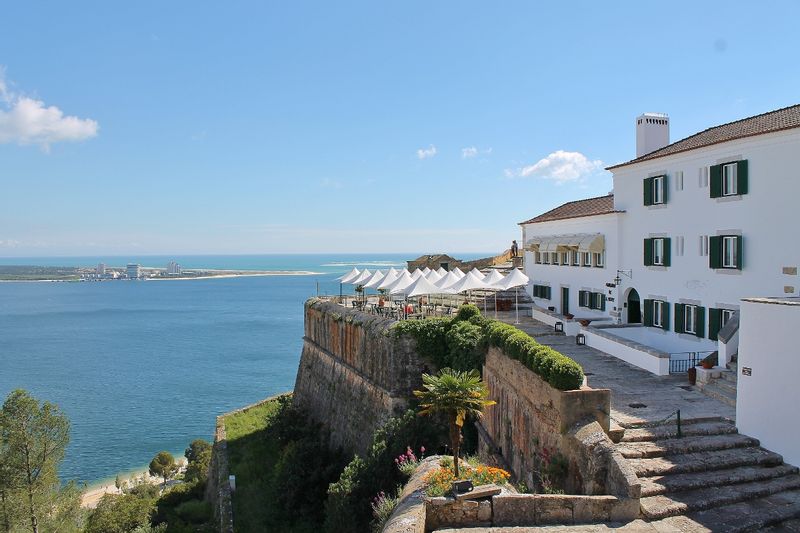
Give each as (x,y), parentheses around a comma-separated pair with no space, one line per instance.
(173,269)
(101,269)
(134,271)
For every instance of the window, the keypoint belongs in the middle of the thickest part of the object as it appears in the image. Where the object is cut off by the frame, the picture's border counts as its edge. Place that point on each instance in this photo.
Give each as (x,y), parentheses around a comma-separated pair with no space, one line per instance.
(565,258)
(538,258)
(728,179)
(587,259)
(689,318)
(656,314)
(702,177)
(599,259)
(655,190)
(679,180)
(679,245)
(725,251)
(576,258)
(545,258)
(598,301)
(729,256)
(554,257)
(703,245)
(583,298)
(541,291)
(717,318)
(657,251)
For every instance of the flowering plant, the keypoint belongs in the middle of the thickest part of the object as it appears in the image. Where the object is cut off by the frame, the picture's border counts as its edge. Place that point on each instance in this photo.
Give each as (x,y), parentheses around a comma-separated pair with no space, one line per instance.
(439,481)
(382,507)
(407,462)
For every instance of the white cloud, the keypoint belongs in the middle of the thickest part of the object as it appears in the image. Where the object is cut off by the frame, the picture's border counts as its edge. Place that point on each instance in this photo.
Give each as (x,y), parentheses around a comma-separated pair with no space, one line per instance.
(560,166)
(10,243)
(425,153)
(26,120)
(467,153)
(471,151)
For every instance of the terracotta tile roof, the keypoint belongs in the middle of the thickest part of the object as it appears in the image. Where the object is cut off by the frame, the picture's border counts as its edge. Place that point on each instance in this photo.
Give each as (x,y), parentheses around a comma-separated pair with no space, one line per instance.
(578,208)
(780,119)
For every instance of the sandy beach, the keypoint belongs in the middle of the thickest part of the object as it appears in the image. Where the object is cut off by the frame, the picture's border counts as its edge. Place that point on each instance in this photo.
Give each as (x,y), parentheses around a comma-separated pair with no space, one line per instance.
(95,492)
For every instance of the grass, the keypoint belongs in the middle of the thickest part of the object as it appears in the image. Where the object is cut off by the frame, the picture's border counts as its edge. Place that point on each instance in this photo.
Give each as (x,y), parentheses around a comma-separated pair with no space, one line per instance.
(252,456)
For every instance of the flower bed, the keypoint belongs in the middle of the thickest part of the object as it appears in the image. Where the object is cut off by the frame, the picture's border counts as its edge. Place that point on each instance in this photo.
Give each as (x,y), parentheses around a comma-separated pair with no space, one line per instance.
(439,481)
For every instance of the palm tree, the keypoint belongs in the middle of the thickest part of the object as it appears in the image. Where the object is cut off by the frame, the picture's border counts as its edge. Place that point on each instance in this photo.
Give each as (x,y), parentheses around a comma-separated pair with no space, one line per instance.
(456,394)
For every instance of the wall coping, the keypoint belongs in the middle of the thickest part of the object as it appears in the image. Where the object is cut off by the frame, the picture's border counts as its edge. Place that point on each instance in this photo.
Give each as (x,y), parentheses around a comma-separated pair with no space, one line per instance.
(602,332)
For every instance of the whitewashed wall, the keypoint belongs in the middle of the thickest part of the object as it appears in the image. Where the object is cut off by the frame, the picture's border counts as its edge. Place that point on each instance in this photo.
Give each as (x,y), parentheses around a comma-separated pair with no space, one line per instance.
(763,216)
(577,278)
(766,401)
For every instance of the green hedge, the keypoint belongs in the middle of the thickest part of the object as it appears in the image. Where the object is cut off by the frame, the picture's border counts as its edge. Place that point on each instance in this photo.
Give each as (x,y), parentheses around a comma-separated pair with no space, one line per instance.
(554,367)
(460,343)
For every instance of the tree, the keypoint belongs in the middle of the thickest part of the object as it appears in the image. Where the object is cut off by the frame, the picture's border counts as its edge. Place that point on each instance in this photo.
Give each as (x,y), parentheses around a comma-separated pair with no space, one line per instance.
(121,513)
(163,465)
(198,457)
(33,438)
(456,395)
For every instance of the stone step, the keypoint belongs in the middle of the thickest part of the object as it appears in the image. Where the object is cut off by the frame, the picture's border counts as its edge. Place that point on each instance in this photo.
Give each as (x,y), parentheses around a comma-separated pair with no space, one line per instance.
(755,515)
(672,504)
(669,431)
(730,377)
(725,384)
(713,390)
(653,486)
(672,422)
(638,450)
(704,461)
(792,525)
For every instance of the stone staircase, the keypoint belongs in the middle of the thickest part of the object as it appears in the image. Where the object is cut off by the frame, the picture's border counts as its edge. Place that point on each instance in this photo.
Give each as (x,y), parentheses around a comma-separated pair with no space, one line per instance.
(713,476)
(724,387)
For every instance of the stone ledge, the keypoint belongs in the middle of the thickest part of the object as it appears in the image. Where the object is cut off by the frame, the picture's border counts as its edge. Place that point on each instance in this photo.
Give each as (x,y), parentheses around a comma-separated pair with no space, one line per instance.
(601,332)
(544,509)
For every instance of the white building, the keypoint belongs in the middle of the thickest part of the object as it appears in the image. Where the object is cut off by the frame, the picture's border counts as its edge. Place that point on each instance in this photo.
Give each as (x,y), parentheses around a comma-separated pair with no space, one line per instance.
(101,269)
(134,271)
(173,269)
(691,229)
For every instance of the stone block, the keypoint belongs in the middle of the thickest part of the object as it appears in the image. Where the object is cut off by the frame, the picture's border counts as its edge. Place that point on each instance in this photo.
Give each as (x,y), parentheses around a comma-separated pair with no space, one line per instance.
(554,509)
(513,509)
(624,509)
(480,492)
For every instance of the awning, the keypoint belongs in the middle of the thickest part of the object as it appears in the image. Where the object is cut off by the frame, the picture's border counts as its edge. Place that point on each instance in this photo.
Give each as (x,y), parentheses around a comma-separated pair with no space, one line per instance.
(582,242)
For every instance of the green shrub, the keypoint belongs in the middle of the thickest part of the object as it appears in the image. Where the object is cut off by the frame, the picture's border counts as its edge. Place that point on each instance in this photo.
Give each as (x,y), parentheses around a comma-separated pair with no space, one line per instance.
(430,335)
(467,311)
(194,511)
(465,346)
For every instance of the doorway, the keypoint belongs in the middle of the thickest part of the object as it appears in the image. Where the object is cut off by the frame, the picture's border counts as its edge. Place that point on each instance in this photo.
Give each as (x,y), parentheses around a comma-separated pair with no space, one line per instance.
(564,300)
(634,307)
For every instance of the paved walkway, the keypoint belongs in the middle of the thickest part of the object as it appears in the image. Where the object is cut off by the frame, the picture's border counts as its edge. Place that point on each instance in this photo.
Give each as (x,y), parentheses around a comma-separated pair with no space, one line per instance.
(631,387)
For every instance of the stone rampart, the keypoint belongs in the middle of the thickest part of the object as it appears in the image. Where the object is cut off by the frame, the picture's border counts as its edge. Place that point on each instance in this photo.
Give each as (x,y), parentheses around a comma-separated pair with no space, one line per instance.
(532,420)
(354,373)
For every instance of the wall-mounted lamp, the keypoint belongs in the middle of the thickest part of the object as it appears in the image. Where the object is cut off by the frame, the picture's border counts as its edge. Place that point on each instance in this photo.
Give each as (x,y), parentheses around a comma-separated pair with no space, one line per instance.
(580,339)
(559,327)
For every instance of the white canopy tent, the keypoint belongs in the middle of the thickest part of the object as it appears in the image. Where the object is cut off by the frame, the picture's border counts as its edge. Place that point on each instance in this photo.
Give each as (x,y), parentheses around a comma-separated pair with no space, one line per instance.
(417,274)
(426,271)
(514,280)
(361,278)
(478,273)
(353,274)
(433,276)
(467,283)
(402,281)
(390,278)
(446,282)
(458,272)
(374,279)
(491,280)
(442,271)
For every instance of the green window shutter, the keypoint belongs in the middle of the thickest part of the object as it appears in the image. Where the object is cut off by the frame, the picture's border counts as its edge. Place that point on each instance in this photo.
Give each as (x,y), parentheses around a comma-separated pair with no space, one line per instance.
(648,312)
(700,321)
(582,298)
(665,315)
(592,300)
(602,302)
(667,250)
(715,251)
(648,191)
(665,188)
(648,252)
(714,322)
(680,314)
(716,181)
(739,250)
(741,177)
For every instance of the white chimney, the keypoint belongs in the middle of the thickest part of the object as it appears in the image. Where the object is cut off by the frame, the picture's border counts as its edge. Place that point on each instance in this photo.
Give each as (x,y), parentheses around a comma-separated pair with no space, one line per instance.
(652,132)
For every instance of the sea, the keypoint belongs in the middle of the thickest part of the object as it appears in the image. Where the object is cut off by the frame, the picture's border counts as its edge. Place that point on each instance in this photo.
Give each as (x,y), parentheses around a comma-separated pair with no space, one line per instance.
(144,366)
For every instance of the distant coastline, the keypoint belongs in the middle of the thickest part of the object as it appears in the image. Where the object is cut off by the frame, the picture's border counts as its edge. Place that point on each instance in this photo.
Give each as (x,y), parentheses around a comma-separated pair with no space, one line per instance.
(35,274)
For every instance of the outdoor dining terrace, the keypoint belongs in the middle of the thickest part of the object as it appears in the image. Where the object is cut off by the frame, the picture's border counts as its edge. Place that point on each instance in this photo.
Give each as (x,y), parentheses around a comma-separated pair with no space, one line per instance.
(402,295)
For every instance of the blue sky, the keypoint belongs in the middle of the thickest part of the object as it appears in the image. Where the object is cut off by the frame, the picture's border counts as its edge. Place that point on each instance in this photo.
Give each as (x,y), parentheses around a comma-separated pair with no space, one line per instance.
(268,127)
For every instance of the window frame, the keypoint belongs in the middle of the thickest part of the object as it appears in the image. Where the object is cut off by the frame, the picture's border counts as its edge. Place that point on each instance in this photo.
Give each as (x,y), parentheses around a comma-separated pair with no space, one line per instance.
(657,192)
(658,313)
(565,258)
(658,246)
(538,258)
(576,258)
(586,260)
(584,299)
(733,240)
(724,316)
(689,326)
(599,259)
(730,174)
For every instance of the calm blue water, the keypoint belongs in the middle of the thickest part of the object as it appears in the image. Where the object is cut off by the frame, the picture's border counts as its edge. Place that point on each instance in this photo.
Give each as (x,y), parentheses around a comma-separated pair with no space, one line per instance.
(144,366)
